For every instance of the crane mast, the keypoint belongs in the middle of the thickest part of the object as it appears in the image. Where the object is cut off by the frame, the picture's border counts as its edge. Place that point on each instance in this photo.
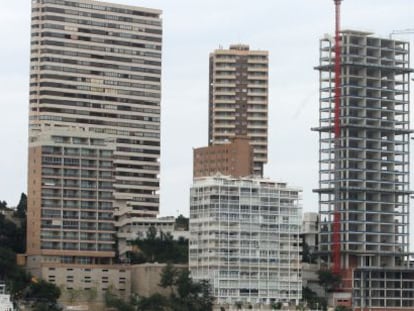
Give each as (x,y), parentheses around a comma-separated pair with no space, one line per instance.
(336,235)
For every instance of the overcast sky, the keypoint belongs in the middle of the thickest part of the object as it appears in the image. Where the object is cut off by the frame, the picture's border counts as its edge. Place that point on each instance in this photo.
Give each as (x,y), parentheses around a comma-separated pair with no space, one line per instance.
(288,29)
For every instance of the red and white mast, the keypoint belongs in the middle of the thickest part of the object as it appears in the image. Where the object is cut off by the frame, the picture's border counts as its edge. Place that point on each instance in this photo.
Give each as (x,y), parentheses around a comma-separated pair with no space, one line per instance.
(336,232)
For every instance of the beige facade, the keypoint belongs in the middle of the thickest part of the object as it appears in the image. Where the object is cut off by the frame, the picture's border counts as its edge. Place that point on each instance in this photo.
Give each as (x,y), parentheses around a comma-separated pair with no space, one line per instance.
(234,158)
(145,279)
(96,66)
(238,99)
(88,283)
(70,188)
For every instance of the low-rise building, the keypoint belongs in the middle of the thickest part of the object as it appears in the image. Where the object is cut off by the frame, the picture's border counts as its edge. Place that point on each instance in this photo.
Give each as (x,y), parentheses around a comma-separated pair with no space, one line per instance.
(138,229)
(310,265)
(88,283)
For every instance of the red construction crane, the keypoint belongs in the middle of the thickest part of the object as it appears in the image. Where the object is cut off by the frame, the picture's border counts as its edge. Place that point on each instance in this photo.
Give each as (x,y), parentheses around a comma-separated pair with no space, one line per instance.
(336,234)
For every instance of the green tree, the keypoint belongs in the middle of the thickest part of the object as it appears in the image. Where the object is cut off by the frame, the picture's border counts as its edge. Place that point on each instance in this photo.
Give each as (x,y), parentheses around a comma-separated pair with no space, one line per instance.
(307,255)
(328,280)
(3,205)
(194,296)
(168,276)
(18,282)
(312,300)
(12,240)
(73,294)
(239,305)
(12,236)
(22,206)
(137,258)
(91,294)
(181,222)
(187,296)
(160,248)
(7,262)
(113,301)
(151,233)
(43,291)
(15,277)
(46,306)
(155,302)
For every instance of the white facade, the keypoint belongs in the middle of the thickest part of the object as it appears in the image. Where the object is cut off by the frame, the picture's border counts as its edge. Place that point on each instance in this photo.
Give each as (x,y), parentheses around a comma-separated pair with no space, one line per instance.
(244,239)
(5,302)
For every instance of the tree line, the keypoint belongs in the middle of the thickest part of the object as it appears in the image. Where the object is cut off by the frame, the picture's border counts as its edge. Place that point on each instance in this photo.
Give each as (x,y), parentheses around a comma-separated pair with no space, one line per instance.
(41,295)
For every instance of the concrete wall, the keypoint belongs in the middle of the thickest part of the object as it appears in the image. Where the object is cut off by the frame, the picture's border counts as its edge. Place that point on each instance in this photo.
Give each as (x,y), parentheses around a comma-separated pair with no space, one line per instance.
(88,283)
(145,278)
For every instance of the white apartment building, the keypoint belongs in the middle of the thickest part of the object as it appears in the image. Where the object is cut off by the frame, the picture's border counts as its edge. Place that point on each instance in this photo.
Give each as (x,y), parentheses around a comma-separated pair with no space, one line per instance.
(244,239)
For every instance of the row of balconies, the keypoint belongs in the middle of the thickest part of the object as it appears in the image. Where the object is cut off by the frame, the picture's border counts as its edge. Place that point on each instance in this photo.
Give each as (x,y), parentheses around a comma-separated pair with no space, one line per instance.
(75,162)
(76,246)
(75,185)
(77,239)
(94,175)
(253,193)
(356,87)
(329,100)
(84,227)
(367,122)
(84,155)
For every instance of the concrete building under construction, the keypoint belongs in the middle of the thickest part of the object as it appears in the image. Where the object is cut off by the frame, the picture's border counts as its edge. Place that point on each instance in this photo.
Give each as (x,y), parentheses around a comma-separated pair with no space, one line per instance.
(365,177)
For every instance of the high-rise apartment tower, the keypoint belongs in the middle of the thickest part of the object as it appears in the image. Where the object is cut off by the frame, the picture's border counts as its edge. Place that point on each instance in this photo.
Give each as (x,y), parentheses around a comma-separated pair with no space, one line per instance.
(372,171)
(95,72)
(238,99)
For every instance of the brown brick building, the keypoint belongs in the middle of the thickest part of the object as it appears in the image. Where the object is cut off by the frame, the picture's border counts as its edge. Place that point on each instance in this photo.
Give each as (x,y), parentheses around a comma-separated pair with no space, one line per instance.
(238,99)
(233,158)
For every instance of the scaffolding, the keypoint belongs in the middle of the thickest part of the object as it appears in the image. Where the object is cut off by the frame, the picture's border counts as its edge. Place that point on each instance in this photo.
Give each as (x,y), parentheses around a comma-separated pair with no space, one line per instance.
(371,168)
